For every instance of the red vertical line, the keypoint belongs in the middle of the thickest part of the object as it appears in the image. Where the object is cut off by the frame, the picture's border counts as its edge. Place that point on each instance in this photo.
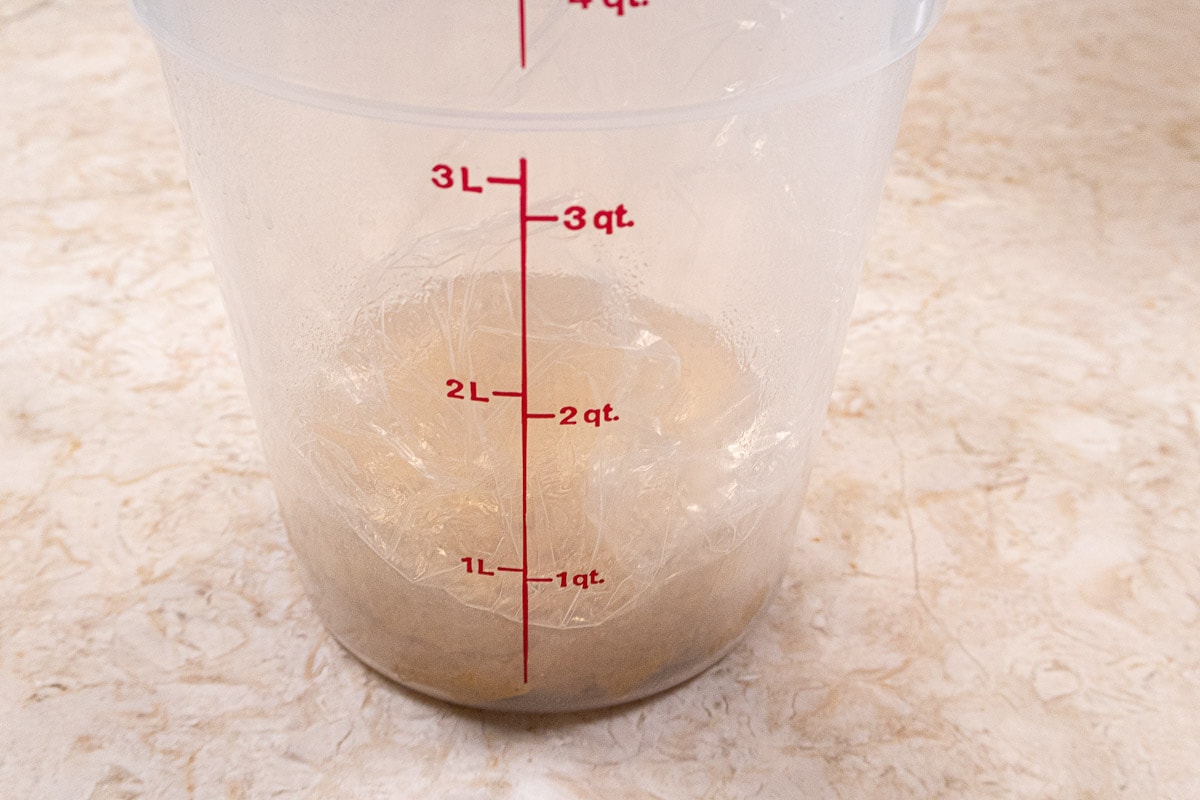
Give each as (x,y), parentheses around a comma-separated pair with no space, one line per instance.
(521,14)
(524,188)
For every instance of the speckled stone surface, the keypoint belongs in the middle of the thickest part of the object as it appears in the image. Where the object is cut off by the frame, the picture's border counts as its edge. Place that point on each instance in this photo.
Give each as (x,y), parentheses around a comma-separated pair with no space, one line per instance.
(996,589)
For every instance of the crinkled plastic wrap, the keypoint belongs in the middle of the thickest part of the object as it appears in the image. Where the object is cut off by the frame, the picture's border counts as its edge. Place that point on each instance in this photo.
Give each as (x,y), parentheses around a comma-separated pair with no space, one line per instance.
(654,524)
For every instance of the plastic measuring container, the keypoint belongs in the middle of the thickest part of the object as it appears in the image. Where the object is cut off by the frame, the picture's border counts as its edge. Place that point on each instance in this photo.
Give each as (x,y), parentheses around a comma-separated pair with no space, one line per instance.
(539,304)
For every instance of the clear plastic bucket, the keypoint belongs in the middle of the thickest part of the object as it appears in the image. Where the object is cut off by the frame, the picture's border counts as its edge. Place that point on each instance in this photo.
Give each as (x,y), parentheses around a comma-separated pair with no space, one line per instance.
(539,305)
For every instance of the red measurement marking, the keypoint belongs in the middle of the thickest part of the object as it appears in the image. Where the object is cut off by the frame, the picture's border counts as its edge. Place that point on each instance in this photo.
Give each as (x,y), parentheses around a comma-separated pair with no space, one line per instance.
(456,388)
(581,579)
(525,403)
(522,184)
(615,5)
(479,570)
(591,416)
(466,182)
(521,20)
(524,214)
(576,218)
(443,178)
(606,219)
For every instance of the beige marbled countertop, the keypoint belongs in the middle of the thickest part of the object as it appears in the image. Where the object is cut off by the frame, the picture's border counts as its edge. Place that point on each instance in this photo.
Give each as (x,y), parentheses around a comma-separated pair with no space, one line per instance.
(996,591)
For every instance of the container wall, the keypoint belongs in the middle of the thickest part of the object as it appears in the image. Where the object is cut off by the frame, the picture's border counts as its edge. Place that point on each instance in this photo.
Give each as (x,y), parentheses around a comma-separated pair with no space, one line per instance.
(581,57)
(686,295)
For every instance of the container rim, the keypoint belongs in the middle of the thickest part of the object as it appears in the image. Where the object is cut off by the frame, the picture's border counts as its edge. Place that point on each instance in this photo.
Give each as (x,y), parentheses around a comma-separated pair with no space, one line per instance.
(533,121)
